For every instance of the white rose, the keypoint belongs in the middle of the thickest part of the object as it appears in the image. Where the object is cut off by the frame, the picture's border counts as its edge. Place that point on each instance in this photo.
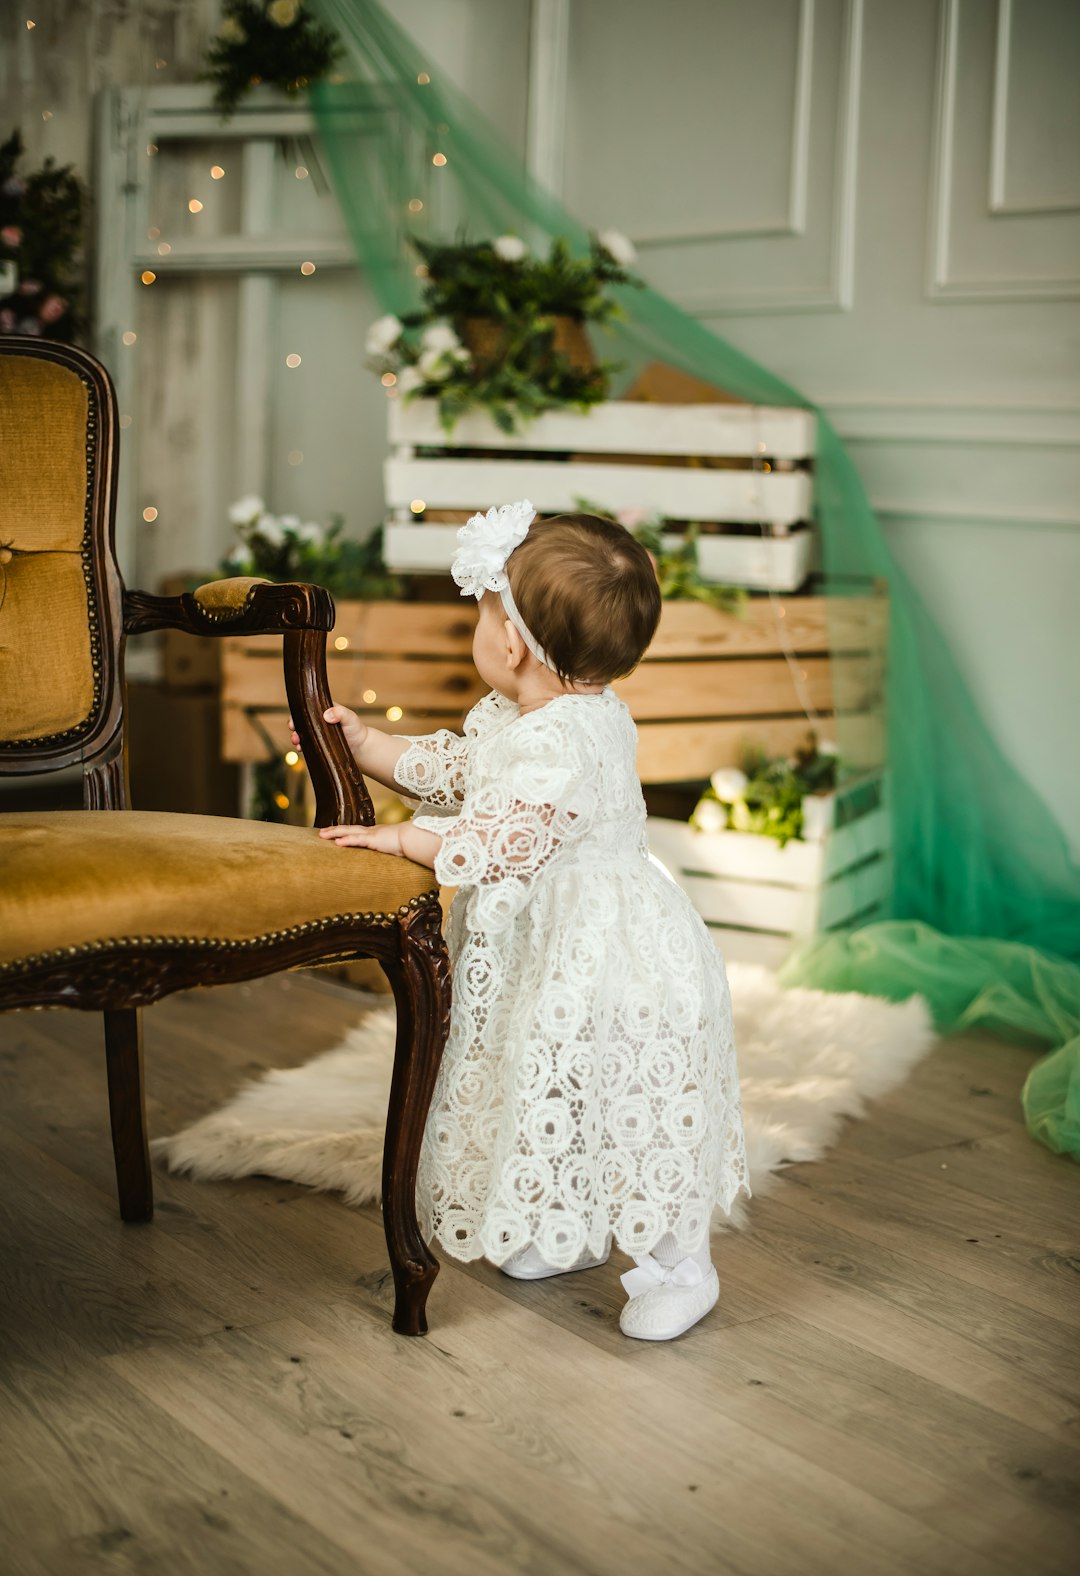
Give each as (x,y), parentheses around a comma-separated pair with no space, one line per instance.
(310,531)
(828,747)
(710,816)
(619,247)
(268,527)
(244,510)
(510,248)
(283,13)
(434,366)
(230,32)
(440,337)
(290,522)
(383,335)
(729,784)
(409,379)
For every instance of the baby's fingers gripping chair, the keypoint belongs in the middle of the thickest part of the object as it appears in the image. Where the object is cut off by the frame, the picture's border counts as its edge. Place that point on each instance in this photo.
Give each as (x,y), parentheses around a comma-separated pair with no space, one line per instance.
(107,909)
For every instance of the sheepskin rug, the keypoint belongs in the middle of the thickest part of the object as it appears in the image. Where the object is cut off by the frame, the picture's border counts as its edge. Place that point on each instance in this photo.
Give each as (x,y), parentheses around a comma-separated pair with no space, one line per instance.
(808,1060)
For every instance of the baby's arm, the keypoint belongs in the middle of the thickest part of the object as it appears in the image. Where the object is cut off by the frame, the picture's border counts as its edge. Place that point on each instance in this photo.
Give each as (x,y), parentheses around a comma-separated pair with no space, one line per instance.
(406,840)
(376,753)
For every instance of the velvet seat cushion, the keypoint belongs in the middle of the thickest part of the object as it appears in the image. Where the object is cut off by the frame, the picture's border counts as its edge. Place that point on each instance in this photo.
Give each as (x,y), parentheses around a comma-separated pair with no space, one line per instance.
(79,877)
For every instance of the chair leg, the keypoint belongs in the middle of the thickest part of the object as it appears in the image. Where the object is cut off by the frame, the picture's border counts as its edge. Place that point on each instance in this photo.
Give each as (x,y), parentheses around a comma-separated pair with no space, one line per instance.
(127,1113)
(421,985)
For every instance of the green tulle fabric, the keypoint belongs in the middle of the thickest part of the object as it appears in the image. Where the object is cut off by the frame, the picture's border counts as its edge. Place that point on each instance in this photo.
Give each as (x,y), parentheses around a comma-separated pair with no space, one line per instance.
(986,902)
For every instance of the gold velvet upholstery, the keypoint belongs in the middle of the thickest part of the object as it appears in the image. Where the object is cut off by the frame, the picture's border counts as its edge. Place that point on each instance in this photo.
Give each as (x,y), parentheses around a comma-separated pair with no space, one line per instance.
(46,676)
(71,879)
(230,595)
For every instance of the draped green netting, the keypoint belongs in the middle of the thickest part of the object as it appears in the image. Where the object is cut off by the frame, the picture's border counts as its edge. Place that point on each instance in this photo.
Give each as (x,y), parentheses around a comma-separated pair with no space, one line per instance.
(986,901)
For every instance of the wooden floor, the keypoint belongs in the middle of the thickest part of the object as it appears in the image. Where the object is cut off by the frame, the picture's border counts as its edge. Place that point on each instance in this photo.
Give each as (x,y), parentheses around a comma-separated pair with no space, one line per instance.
(891,1382)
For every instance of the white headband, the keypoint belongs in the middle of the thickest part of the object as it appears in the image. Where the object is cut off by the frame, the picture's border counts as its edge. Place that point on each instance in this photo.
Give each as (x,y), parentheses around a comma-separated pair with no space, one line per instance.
(479,564)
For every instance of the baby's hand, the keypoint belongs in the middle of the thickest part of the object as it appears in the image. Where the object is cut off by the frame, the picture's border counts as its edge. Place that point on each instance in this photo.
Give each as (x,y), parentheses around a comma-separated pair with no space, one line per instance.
(383,839)
(354,730)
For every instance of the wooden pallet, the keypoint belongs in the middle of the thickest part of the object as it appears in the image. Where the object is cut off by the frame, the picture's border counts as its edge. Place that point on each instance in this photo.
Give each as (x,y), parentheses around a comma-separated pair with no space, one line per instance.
(739,471)
(710,684)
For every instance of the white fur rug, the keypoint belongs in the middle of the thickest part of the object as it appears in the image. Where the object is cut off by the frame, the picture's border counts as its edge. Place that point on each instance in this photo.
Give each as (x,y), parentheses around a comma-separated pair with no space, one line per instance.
(807,1060)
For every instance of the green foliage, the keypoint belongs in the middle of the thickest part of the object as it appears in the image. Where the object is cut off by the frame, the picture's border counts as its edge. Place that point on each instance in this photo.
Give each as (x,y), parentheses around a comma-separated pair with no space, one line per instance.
(766,797)
(283,551)
(276,42)
(41,232)
(517,300)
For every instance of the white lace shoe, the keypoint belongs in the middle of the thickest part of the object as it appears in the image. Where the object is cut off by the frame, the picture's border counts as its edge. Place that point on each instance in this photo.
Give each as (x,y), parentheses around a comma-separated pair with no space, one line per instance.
(528,1265)
(665,1303)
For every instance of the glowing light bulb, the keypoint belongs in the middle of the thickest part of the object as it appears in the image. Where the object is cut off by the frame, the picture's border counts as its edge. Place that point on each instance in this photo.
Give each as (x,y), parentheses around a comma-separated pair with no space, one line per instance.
(307,269)
(129,336)
(423,79)
(148,276)
(153,232)
(388,380)
(394,713)
(216,172)
(301,172)
(438,159)
(418,506)
(341,643)
(194,205)
(415,205)
(370,697)
(281,800)
(293,360)
(291,758)
(149,515)
(46,114)
(164,248)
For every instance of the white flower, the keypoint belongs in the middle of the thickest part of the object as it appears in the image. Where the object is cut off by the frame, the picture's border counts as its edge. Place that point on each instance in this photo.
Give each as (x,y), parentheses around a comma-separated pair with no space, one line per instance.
(383,335)
(440,337)
(310,531)
(729,784)
(436,365)
(268,527)
(487,541)
(618,247)
(244,510)
(290,522)
(510,248)
(710,816)
(409,379)
(283,13)
(230,32)
(828,747)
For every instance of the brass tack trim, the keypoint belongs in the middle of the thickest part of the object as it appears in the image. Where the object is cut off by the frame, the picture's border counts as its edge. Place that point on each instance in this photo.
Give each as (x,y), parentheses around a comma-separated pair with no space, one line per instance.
(384,921)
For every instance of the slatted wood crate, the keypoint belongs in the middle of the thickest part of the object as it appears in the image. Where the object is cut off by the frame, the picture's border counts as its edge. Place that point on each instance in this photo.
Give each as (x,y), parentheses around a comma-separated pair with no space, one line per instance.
(761,900)
(711,682)
(741,472)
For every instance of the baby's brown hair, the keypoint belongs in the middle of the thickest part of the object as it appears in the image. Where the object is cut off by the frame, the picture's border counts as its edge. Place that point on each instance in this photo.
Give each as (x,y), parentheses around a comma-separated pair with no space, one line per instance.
(588,593)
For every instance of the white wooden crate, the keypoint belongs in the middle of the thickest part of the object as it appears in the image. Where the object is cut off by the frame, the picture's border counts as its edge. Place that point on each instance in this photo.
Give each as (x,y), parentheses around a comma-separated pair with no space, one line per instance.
(565,456)
(761,900)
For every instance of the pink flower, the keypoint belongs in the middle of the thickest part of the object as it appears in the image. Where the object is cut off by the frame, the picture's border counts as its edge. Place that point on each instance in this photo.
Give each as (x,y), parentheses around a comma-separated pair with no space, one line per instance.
(30,287)
(7,321)
(11,236)
(52,308)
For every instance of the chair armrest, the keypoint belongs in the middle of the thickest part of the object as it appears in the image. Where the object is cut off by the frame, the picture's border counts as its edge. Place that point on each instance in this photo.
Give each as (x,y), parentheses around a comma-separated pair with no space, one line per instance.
(303,614)
(231,607)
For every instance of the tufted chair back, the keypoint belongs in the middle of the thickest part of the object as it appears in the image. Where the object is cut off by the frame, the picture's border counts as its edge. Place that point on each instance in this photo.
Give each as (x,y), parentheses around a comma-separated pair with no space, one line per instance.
(60,588)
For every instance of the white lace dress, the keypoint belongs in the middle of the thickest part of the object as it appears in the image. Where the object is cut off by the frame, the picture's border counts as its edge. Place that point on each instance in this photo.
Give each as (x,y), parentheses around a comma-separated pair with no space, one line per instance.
(589,1084)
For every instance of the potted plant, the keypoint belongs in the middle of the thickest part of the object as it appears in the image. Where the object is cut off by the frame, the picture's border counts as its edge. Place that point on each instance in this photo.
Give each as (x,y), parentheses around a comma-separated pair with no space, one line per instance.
(502,330)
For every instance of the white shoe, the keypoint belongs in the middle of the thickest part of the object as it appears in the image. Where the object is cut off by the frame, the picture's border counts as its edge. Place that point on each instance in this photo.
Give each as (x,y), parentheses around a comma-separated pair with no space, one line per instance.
(665,1303)
(528,1265)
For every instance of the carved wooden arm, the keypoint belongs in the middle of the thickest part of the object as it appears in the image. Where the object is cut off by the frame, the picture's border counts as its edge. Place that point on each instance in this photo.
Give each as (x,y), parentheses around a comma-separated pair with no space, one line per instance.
(303,614)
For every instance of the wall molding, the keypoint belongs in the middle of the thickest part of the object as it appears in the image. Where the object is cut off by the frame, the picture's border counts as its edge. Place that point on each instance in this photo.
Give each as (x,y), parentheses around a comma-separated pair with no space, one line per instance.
(931,422)
(941,285)
(999,129)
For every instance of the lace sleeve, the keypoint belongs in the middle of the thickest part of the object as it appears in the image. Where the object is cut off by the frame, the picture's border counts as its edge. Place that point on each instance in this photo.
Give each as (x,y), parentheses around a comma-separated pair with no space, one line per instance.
(433,767)
(508,831)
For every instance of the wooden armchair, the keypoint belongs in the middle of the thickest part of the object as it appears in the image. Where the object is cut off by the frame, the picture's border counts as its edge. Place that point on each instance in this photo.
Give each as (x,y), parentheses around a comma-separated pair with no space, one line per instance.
(107,908)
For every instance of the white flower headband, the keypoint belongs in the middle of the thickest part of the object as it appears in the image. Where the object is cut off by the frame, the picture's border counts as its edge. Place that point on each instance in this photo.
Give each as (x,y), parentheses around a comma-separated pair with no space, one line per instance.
(479,564)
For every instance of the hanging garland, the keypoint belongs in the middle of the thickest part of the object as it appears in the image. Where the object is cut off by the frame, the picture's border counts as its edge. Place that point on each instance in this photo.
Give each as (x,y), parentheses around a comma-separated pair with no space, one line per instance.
(275,42)
(41,235)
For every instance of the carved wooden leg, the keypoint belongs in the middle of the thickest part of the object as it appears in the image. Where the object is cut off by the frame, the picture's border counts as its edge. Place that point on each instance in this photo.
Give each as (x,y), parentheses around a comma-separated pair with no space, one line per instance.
(421,984)
(127,1113)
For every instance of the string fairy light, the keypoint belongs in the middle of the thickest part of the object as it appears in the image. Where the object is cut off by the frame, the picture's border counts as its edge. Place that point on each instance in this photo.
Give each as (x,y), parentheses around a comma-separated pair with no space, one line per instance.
(148,276)
(194,205)
(129,336)
(370,697)
(341,643)
(292,360)
(394,714)
(216,172)
(150,514)
(307,269)
(438,159)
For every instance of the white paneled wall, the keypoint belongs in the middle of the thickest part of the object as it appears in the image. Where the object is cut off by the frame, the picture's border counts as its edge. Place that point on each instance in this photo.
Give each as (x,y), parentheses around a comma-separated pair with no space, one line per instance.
(879,202)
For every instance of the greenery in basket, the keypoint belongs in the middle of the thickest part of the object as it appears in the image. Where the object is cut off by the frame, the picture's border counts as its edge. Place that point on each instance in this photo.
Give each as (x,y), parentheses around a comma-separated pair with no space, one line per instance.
(677,568)
(500,291)
(766,797)
(41,233)
(284,547)
(271,41)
